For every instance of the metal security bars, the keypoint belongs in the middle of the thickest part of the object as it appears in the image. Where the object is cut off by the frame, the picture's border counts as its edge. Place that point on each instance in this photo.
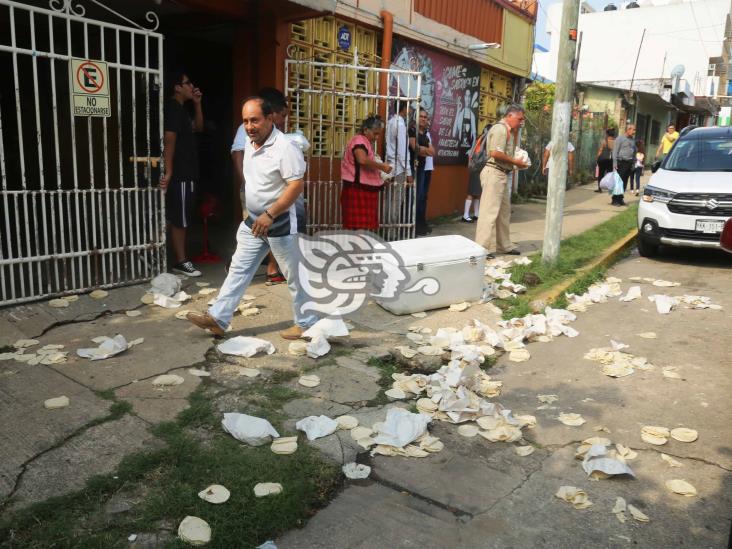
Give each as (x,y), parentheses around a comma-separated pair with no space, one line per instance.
(327,103)
(78,208)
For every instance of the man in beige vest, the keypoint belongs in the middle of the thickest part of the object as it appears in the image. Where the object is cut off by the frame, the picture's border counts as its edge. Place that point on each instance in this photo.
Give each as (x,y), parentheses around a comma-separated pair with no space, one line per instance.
(495,208)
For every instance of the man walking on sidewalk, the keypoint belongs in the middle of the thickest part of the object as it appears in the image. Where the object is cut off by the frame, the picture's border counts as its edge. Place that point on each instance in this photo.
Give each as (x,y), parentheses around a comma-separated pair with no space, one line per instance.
(273,170)
(181,165)
(495,210)
(624,160)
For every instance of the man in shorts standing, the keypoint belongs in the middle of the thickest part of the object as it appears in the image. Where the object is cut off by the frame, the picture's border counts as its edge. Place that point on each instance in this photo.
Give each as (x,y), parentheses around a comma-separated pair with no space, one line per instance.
(181,165)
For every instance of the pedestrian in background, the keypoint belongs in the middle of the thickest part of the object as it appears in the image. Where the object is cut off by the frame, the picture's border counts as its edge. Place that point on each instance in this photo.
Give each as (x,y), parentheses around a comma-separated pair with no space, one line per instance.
(667,141)
(429,167)
(419,150)
(640,157)
(361,180)
(547,164)
(495,216)
(397,155)
(474,188)
(605,156)
(181,164)
(624,151)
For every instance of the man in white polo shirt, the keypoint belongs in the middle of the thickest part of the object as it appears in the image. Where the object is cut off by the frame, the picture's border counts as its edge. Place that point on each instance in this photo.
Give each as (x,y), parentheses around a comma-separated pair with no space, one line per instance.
(273,170)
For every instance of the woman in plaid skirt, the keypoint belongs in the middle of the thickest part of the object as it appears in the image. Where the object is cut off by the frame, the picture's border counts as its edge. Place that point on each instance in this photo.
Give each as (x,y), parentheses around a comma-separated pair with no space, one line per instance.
(361,179)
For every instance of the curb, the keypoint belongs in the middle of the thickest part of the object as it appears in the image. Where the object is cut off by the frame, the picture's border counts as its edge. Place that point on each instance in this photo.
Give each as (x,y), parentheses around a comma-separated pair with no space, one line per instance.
(608,257)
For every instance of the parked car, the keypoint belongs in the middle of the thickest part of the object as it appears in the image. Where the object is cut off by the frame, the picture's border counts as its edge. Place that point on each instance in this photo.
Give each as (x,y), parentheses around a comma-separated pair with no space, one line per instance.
(689,196)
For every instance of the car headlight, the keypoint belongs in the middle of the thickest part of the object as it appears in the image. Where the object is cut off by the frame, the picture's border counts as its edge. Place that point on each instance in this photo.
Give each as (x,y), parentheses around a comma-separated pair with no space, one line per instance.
(655,194)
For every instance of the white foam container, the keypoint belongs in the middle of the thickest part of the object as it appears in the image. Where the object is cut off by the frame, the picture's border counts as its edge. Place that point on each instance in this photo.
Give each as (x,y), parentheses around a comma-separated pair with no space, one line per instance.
(457,264)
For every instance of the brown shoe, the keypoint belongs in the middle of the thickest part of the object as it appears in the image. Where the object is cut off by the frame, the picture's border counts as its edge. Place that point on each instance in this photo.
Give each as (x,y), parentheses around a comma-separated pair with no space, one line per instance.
(206,322)
(294,332)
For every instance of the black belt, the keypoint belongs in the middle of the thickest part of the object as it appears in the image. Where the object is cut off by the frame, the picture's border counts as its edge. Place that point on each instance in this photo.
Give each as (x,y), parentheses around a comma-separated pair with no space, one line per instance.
(504,170)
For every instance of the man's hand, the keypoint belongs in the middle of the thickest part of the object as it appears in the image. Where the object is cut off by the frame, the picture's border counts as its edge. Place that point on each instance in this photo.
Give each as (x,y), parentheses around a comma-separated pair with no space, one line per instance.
(544,170)
(386,168)
(165,181)
(197,95)
(261,225)
(520,164)
(410,180)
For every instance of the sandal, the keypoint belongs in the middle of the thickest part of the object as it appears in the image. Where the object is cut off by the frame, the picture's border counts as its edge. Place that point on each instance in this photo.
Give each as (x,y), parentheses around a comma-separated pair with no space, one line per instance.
(276,278)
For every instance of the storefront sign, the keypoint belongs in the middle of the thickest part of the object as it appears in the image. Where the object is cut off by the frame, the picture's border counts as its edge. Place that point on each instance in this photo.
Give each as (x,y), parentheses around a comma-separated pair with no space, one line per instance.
(450,93)
(344,38)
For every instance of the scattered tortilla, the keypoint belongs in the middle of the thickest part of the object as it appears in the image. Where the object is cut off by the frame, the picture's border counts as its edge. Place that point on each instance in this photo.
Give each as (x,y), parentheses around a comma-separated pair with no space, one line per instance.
(655,435)
(625,452)
(665,283)
(361,432)
(406,352)
(684,435)
(619,509)
(167,380)
(55,403)
(647,335)
(468,430)
(233,369)
(251,311)
(547,399)
(613,280)
(284,446)
(671,461)
(356,471)
(519,355)
(199,373)
(98,294)
(419,315)
(207,291)
(459,307)
(215,494)
(573,420)
(503,433)
(524,451)
(309,380)
(25,343)
(202,284)
(194,530)
(638,514)
(426,406)
(147,299)
(577,497)
(133,314)
(71,298)
(681,487)
(430,350)
(267,489)
(58,303)
(670,372)
(395,393)
(347,422)
(183,314)
(298,348)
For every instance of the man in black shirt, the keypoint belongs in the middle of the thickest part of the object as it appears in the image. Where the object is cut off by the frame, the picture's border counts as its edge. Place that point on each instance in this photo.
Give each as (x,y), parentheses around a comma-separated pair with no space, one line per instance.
(420,146)
(181,165)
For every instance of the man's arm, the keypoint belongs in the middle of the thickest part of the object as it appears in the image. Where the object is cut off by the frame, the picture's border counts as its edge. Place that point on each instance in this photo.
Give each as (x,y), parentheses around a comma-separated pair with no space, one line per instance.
(237,158)
(544,160)
(503,157)
(169,139)
(570,163)
(198,116)
(616,148)
(660,147)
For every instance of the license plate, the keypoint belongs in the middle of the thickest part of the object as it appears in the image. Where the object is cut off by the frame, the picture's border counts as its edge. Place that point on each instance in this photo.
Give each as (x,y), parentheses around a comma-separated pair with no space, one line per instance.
(709,226)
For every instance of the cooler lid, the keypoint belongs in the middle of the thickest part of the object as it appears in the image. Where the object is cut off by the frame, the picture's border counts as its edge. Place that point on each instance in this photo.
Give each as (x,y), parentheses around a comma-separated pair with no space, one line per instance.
(437,249)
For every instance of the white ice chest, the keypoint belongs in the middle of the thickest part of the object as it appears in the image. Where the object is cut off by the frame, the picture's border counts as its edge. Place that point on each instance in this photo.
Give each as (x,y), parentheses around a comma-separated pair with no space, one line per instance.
(457,264)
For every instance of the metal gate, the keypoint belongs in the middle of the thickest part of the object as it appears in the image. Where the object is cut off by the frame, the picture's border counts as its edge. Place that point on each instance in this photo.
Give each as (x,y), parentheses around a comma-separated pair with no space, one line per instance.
(78,208)
(328,101)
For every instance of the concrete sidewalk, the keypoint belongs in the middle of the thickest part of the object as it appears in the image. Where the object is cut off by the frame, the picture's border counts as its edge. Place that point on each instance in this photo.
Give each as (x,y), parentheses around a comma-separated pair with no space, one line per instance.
(45,453)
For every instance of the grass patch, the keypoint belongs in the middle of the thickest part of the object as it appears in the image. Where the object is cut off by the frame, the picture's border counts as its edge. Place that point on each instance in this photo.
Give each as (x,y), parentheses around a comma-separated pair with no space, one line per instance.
(575,252)
(168,480)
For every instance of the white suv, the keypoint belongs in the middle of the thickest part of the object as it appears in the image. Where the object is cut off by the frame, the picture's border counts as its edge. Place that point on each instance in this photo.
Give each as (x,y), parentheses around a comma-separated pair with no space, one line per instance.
(689,195)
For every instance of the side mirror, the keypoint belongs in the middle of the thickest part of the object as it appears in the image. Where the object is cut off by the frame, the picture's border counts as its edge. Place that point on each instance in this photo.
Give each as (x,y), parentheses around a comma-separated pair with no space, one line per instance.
(655,166)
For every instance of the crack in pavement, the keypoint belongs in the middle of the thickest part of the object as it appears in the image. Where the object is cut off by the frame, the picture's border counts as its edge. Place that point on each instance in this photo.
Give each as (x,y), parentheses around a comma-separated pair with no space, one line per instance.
(460,514)
(700,460)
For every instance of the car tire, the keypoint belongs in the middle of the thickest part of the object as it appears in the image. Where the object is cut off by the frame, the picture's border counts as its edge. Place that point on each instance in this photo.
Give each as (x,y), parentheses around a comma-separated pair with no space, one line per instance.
(645,248)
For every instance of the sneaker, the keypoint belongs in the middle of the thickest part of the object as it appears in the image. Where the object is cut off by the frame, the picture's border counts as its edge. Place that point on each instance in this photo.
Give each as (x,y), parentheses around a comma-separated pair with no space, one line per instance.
(186,268)
(515,251)
(467,220)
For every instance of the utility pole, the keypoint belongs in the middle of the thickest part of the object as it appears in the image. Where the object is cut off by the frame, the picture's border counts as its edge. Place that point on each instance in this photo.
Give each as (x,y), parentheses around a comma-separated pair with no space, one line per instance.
(561,118)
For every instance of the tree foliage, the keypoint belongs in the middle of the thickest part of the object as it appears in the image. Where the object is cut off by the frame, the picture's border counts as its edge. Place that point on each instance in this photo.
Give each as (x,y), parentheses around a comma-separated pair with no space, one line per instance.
(538,95)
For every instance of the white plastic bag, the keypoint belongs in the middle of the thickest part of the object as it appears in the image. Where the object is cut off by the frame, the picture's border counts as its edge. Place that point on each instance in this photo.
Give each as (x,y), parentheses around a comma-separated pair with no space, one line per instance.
(522,155)
(252,430)
(607,183)
(316,427)
(402,427)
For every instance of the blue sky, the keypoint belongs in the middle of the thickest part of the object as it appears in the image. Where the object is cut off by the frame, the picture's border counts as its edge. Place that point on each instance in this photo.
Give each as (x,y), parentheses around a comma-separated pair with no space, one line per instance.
(541,36)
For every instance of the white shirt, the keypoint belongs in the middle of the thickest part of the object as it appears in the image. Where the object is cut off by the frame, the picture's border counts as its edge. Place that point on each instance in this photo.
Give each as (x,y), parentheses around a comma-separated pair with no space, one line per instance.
(396,146)
(267,170)
(549,163)
(429,162)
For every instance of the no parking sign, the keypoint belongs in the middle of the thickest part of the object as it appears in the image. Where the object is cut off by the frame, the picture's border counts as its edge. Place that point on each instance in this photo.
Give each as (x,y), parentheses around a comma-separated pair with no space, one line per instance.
(90,88)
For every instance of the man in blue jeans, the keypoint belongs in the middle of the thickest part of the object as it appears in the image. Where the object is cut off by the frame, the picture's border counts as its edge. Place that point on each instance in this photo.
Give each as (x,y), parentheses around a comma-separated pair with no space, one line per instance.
(273,170)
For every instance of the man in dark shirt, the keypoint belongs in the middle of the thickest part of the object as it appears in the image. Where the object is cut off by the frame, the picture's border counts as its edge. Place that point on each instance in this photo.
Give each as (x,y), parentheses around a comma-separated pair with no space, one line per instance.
(181,165)
(420,146)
